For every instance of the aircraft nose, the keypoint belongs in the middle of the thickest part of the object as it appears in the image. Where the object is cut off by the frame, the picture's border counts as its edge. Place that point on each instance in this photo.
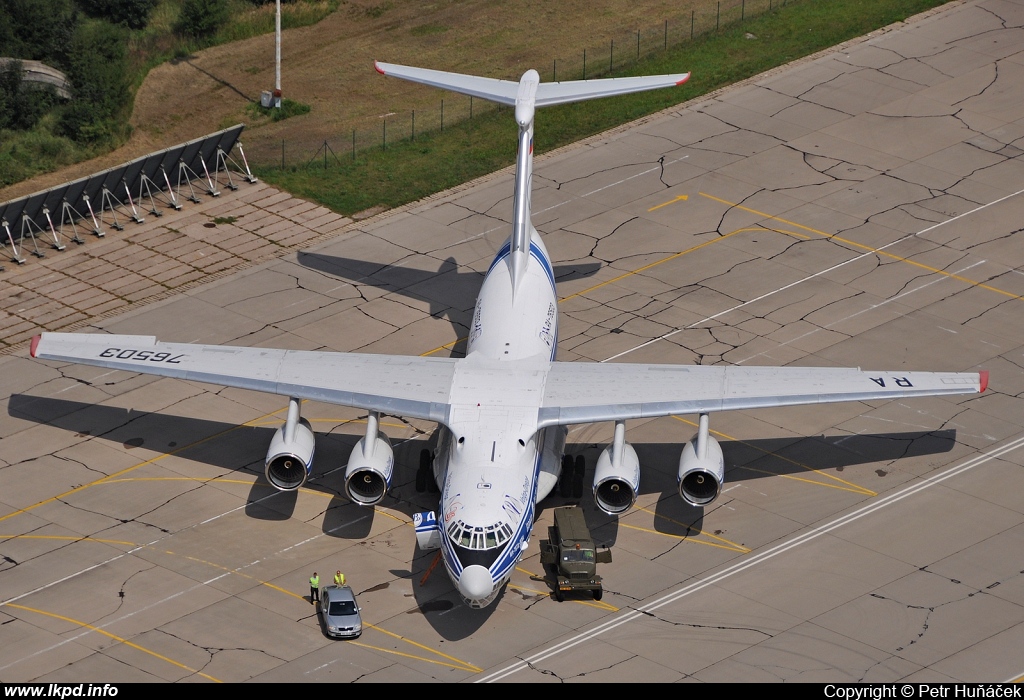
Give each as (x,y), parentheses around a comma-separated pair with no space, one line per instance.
(475,582)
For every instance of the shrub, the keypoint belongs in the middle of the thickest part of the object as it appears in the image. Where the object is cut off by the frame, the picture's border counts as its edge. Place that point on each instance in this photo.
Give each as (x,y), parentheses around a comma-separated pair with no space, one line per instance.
(201,18)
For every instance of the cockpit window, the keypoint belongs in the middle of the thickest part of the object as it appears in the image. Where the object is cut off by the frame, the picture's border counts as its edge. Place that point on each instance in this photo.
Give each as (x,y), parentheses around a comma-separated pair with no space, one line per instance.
(479,537)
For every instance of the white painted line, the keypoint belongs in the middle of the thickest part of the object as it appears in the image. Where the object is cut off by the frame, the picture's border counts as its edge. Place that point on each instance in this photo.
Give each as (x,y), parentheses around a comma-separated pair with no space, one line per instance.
(760,557)
(872,307)
(816,274)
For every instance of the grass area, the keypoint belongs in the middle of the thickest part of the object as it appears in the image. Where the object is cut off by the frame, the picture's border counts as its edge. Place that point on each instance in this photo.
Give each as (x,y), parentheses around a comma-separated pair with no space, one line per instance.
(410,170)
(288,108)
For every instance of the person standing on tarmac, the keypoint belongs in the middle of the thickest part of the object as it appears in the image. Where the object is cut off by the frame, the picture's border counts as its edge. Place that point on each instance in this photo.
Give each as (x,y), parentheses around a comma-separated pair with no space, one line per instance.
(339,579)
(314,588)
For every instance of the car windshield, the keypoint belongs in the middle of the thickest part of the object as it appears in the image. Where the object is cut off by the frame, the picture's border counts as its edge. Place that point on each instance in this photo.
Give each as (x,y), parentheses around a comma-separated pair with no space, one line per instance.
(342,607)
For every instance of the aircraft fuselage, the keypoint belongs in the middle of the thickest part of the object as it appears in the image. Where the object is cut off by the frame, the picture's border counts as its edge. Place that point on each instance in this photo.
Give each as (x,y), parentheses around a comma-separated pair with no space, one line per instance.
(492,464)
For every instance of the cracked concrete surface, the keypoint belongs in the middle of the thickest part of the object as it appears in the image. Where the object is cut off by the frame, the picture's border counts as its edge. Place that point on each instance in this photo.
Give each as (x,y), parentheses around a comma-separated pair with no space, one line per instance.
(859,208)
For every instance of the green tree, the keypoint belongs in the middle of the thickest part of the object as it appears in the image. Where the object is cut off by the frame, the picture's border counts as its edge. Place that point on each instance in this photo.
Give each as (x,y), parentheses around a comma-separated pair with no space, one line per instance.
(201,18)
(21,104)
(98,72)
(39,30)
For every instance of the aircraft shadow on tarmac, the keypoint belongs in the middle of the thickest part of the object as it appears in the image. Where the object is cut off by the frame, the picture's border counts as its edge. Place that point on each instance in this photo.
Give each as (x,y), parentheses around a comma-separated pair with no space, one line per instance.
(243,449)
(836,461)
(447,290)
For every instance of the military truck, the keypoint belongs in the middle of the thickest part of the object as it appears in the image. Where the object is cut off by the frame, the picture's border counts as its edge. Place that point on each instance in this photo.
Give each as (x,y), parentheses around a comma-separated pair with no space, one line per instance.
(570,549)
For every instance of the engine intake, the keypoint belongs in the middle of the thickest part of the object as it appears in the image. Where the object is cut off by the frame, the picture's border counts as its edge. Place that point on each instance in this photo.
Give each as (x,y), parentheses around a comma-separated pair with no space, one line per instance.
(368,474)
(701,478)
(616,485)
(289,461)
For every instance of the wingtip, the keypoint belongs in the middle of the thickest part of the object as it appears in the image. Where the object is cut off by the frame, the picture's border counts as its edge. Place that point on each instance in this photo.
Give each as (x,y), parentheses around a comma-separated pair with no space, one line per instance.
(983,380)
(376,67)
(35,344)
(686,76)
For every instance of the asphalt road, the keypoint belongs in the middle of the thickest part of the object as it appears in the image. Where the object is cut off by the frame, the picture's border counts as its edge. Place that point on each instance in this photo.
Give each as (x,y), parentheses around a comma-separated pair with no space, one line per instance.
(856,209)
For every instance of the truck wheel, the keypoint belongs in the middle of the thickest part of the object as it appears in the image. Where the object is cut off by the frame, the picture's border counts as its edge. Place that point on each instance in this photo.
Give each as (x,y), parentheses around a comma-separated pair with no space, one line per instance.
(598,593)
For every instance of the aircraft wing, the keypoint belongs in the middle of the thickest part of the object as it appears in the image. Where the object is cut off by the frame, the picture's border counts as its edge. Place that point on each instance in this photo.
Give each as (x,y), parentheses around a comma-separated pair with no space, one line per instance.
(578,392)
(414,387)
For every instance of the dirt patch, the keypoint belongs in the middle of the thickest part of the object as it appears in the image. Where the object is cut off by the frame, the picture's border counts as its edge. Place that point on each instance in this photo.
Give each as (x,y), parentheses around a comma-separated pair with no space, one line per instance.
(330,67)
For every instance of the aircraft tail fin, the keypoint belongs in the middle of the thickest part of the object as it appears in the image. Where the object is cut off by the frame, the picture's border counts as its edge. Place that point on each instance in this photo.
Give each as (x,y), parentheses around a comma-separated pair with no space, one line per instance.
(526,95)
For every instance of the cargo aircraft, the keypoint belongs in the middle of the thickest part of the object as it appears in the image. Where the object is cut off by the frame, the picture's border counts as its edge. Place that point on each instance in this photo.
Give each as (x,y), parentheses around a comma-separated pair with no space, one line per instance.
(504,408)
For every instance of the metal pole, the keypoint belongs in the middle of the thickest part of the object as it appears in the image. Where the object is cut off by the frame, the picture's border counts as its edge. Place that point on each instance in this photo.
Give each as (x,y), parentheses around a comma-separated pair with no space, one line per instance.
(277,50)
(666,35)
(282,154)
(584,64)
(691,24)
(470,106)
(442,116)
(384,139)
(325,155)
(638,44)
(611,57)
(353,144)
(414,122)
(743,10)
(718,15)
(554,70)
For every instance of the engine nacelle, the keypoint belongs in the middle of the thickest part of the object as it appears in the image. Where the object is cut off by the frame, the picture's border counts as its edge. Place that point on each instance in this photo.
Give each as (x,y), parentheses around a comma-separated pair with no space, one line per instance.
(616,485)
(289,462)
(701,478)
(368,476)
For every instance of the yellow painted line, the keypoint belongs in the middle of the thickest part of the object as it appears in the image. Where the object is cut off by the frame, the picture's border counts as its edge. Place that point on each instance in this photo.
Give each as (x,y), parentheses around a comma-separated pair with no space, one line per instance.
(870,249)
(641,269)
(590,603)
(442,347)
(843,484)
(131,469)
(457,667)
(680,198)
(463,664)
(731,548)
(657,262)
(789,233)
(594,603)
(690,528)
(68,538)
(122,640)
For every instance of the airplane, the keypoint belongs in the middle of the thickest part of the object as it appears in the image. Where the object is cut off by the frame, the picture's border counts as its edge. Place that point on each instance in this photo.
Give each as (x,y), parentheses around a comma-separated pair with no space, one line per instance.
(504,409)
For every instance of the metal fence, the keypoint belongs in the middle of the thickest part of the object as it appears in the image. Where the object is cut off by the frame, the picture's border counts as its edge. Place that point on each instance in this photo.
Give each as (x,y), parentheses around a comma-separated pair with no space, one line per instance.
(619,54)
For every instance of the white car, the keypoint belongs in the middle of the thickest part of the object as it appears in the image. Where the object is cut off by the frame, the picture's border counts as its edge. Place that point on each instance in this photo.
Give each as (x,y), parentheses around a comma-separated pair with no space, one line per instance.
(340,612)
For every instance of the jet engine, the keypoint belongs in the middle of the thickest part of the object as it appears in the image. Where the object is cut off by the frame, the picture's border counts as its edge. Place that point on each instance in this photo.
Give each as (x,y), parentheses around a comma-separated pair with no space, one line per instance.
(370,466)
(701,467)
(617,477)
(290,456)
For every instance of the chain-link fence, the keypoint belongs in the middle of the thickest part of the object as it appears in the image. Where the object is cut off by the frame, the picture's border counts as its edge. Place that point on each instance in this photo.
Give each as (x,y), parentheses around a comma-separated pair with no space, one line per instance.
(618,55)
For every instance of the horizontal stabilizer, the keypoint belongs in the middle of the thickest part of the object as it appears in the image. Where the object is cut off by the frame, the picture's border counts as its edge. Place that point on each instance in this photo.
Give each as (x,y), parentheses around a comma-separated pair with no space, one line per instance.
(500,91)
(505,91)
